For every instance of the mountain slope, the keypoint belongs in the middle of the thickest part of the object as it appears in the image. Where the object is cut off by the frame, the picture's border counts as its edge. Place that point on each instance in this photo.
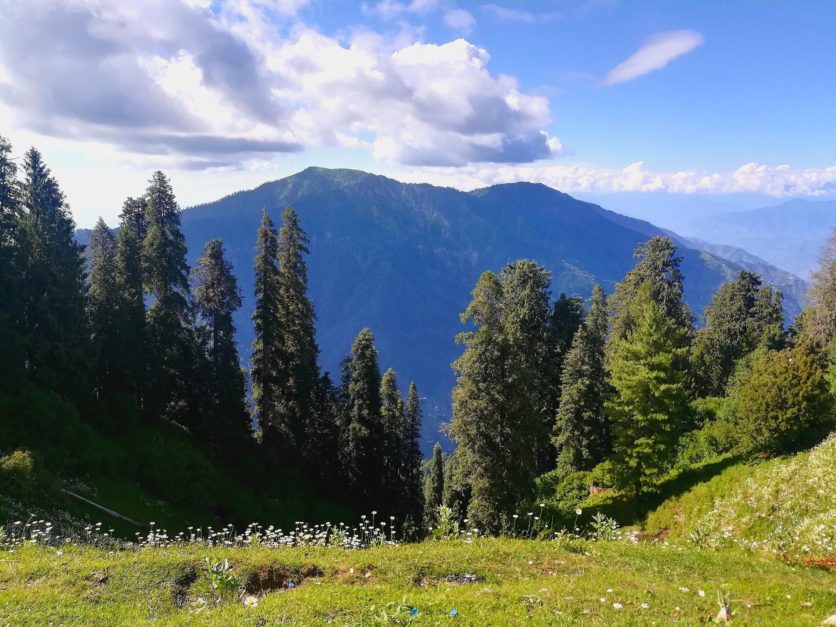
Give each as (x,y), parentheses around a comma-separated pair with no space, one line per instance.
(402,259)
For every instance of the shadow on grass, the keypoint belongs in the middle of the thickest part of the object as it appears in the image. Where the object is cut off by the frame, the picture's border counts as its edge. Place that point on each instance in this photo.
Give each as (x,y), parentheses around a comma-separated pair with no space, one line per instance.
(632,509)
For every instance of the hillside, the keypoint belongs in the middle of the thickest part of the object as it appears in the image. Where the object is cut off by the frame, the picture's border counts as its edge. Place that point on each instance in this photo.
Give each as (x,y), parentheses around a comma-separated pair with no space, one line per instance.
(402,259)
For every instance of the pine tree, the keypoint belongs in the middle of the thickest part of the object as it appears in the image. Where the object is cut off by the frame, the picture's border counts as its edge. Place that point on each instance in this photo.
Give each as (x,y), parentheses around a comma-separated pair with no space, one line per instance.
(129,359)
(582,432)
(170,342)
(103,307)
(499,399)
(267,346)
(818,321)
(434,490)
(742,316)
(566,317)
(363,451)
(12,251)
(393,424)
(649,401)
(322,457)
(659,265)
(216,298)
(52,298)
(298,373)
(411,471)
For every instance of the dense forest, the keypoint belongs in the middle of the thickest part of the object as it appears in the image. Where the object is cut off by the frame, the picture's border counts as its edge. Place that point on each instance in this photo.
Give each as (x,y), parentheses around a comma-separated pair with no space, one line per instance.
(552,397)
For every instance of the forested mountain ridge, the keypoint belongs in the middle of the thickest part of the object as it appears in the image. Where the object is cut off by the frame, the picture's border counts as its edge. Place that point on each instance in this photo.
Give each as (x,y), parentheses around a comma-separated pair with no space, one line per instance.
(402,259)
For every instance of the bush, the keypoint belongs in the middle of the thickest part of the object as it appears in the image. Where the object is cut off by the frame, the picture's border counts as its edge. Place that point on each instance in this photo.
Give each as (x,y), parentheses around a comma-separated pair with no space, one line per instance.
(20,475)
(785,405)
(563,493)
(716,436)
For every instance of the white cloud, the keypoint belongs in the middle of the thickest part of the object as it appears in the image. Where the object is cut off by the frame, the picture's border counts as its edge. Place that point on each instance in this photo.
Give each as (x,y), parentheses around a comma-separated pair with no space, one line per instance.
(521,16)
(778,181)
(390,9)
(247,79)
(460,20)
(659,50)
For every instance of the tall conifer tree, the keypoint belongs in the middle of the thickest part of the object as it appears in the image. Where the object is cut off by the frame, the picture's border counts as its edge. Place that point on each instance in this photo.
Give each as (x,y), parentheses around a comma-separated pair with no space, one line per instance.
(434,493)
(363,451)
(298,372)
(53,296)
(11,269)
(648,406)
(216,298)
(411,473)
(392,421)
(103,307)
(582,435)
(267,346)
(129,360)
(170,341)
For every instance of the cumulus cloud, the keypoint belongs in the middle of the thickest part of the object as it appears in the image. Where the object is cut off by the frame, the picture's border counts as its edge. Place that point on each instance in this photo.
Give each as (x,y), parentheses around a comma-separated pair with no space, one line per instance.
(778,181)
(243,79)
(510,14)
(659,50)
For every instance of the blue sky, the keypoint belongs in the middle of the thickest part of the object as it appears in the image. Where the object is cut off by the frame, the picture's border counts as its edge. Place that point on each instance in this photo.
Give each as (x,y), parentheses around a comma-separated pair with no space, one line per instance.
(593,97)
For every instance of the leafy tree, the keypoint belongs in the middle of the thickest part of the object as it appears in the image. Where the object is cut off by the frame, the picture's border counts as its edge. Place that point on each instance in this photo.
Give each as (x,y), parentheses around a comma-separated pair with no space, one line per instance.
(649,400)
(298,371)
(129,359)
(103,306)
(216,298)
(363,451)
(785,405)
(393,424)
(582,431)
(434,489)
(411,467)
(267,346)
(52,298)
(170,343)
(659,265)
(742,316)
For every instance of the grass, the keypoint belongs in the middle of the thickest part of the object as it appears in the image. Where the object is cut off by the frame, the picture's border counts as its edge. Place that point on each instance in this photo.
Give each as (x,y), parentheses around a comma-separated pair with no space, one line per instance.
(517,581)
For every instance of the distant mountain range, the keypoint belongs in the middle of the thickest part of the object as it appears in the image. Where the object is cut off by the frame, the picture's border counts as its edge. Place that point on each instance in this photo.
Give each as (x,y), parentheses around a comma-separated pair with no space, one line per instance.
(402,259)
(790,235)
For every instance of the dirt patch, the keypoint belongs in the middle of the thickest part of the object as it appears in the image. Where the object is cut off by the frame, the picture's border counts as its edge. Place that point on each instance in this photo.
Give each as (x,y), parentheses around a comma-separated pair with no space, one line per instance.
(422,578)
(98,578)
(272,577)
(828,563)
(181,585)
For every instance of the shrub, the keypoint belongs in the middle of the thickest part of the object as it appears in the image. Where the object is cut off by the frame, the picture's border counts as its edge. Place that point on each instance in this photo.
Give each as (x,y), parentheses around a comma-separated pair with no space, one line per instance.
(21,475)
(785,405)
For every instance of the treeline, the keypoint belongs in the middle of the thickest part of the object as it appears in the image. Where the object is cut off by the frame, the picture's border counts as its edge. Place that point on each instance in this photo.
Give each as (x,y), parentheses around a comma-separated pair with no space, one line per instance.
(126,327)
(555,396)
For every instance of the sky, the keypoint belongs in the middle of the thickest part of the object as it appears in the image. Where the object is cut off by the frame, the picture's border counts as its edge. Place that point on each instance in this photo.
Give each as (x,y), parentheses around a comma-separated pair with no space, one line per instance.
(594,97)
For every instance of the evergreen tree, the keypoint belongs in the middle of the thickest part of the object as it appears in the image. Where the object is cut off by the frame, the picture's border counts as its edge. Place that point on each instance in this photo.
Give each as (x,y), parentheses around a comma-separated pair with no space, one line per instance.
(52,298)
(103,307)
(266,354)
(216,298)
(129,358)
(818,321)
(659,265)
(743,315)
(566,317)
(457,490)
(649,400)
(363,452)
(170,343)
(499,399)
(298,371)
(411,470)
(582,432)
(434,489)
(393,423)
(11,269)
(322,457)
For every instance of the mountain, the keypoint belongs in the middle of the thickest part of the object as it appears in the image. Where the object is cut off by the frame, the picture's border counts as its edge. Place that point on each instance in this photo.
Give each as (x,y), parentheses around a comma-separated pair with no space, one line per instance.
(790,235)
(402,259)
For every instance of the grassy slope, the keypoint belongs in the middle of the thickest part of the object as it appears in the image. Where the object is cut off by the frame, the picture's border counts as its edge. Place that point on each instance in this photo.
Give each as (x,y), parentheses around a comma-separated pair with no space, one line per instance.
(522,581)
(145,471)
(786,504)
